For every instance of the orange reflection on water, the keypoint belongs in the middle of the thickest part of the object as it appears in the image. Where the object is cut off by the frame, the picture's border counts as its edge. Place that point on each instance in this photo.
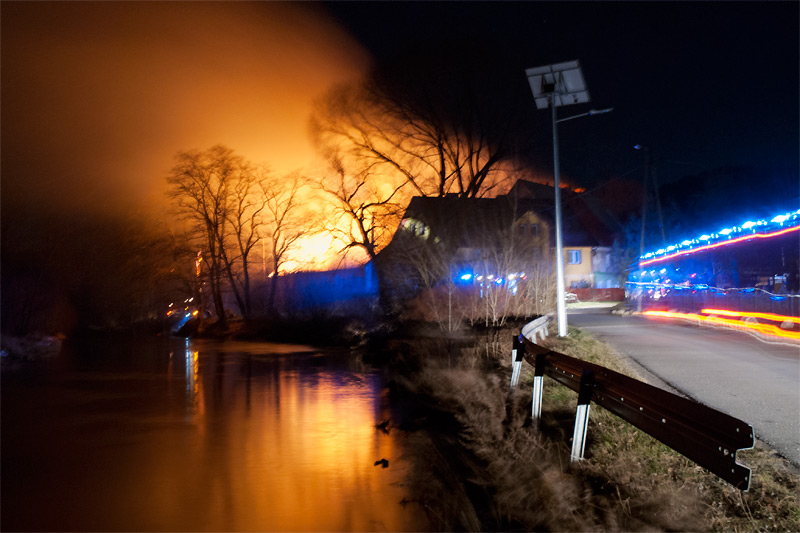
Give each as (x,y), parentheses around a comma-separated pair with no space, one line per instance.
(319,450)
(283,450)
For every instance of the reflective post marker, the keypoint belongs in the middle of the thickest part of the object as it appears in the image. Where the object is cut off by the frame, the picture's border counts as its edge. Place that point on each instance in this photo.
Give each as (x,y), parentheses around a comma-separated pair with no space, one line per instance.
(517,355)
(538,387)
(582,416)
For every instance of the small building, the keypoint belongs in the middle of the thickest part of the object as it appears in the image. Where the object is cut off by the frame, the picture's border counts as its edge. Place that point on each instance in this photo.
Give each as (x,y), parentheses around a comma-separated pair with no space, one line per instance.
(588,230)
(505,237)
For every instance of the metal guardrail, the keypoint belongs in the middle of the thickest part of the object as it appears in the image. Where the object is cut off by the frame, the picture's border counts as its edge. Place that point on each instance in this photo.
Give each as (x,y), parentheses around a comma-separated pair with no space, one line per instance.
(536,328)
(708,437)
(531,330)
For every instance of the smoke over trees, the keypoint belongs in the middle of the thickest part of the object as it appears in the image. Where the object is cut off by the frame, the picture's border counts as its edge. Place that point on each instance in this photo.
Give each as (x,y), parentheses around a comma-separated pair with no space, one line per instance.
(382,147)
(230,206)
(386,142)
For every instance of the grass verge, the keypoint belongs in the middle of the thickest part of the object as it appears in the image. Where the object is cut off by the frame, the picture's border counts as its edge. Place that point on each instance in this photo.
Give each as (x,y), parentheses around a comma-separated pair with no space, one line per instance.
(481,466)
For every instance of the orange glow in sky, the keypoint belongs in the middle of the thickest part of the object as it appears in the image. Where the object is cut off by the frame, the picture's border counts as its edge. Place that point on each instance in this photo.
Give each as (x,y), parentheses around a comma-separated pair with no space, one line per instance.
(98,97)
(320,252)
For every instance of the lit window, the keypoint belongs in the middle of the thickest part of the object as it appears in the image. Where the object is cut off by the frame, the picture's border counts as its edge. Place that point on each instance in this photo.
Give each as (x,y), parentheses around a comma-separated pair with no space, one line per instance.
(574,257)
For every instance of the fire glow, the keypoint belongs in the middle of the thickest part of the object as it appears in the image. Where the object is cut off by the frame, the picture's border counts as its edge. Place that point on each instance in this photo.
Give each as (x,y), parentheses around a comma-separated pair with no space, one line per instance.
(764,329)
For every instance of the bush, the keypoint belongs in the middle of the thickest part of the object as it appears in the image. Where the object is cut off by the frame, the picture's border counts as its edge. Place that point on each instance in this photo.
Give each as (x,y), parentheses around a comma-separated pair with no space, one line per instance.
(481,466)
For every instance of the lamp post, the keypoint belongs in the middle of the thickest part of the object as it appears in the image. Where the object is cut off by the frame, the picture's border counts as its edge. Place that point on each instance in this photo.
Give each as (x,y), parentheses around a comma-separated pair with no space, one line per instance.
(559,85)
(649,177)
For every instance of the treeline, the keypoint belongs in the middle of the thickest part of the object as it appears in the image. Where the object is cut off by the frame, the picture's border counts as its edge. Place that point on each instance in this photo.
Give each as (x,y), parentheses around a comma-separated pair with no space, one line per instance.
(242,225)
(66,272)
(382,144)
(382,147)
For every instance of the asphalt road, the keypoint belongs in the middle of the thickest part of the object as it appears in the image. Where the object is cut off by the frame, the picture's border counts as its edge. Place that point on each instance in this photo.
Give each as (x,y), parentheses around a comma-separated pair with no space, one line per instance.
(730,371)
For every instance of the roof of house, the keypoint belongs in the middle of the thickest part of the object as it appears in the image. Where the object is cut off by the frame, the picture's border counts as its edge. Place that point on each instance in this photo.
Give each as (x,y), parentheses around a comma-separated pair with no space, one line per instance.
(463,222)
(460,221)
(584,220)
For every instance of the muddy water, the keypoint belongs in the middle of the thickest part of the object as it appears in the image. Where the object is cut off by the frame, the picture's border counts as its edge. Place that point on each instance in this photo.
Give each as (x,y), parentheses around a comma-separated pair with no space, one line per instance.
(178,435)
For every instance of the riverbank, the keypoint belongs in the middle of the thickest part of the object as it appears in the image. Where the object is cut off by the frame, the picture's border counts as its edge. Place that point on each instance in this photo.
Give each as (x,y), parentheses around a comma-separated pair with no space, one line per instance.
(322,330)
(480,466)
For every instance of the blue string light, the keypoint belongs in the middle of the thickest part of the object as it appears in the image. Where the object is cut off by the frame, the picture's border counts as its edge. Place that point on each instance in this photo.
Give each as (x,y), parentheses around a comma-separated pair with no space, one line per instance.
(784,220)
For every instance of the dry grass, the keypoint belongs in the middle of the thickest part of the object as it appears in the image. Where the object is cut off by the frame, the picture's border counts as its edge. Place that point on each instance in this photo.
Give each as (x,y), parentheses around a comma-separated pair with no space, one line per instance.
(481,466)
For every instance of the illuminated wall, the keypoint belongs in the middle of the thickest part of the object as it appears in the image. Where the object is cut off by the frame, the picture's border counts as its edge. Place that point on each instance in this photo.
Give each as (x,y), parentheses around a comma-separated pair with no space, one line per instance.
(578,266)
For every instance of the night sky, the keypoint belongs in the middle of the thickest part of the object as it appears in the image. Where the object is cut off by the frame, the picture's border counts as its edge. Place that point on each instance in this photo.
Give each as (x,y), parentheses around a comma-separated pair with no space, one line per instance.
(702,84)
(98,97)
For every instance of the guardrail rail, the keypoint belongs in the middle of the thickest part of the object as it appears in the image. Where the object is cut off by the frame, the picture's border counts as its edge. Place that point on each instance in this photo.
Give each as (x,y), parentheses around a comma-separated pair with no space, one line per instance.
(706,436)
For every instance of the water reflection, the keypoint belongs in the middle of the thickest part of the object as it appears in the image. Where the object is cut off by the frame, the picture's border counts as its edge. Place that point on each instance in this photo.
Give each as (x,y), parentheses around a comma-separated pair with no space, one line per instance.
(258,437)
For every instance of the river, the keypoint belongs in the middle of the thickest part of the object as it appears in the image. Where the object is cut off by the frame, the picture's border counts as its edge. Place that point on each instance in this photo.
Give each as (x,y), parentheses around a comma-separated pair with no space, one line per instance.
(185,435)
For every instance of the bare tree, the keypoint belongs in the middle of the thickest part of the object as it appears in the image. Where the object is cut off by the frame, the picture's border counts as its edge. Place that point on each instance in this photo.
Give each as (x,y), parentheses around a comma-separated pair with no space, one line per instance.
(425,269)
(532,278)
(199,184)
(434,146)
(536,292)
(283,225)
(450,141)
(246,204)
(505,265)
(365,204)
(492,270)
(217,193)
(514,273)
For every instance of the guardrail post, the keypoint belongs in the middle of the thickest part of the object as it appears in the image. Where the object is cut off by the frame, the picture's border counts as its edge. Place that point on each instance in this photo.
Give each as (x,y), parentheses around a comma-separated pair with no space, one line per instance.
(582,416)
(517,355)
(704,435)
(538,386)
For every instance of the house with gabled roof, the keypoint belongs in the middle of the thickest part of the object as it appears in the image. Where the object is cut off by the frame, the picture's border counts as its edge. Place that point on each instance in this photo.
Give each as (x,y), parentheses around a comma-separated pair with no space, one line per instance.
(473,233)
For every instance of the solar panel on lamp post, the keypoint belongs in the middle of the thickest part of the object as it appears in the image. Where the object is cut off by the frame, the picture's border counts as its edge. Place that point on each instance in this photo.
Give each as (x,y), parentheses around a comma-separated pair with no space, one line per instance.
(557,85)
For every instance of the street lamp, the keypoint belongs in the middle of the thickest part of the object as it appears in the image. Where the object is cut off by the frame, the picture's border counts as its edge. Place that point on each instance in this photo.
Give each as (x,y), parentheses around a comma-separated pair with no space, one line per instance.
(559,85)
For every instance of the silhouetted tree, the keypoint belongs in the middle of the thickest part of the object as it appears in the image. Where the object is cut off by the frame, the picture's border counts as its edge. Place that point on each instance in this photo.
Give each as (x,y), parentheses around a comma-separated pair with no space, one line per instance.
(217,192)
(244,217)
(435,147)
(284,223)
(98,272)
(365,204)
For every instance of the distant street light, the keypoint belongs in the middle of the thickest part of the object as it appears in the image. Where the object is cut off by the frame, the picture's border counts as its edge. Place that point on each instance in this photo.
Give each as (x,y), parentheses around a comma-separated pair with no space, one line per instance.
(559,85)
